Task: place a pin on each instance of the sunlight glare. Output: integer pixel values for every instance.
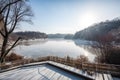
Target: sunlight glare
(87, 19)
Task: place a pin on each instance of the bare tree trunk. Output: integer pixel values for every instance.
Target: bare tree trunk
(3, 51)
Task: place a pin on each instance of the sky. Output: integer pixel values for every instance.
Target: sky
(69, 16)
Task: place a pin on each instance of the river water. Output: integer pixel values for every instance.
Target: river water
(54, 47)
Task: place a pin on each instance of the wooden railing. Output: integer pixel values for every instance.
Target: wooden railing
(106, 68)
(99, 67)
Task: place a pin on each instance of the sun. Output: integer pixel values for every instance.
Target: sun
(87, 19)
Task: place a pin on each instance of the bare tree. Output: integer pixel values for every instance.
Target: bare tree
(104, 47)
(82, 59)
(12, 12)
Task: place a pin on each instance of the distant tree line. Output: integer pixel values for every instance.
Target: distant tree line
(69, 36)
(30, 35)
(58, 35)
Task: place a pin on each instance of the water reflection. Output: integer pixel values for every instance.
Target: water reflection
(89, 46)
(32, 42)
(56, 47)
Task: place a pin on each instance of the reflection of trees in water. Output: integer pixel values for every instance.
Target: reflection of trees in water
(89, 46)
(33, 42)
(26, 43)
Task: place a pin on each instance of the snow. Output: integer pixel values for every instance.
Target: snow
(38, 72)
(49, 70)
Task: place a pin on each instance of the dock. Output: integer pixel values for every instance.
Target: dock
(49, 70)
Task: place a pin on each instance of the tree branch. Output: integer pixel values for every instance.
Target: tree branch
(12, 46)
(6, 20)
(12, 28)
(8, 5)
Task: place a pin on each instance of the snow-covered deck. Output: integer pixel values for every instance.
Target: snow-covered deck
(40, 71)
(49, 71)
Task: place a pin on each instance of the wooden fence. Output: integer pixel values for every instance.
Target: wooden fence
(97, 67)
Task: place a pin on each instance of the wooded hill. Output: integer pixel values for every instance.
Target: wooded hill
(109, 30)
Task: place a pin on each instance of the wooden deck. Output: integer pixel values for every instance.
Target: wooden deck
(43, 71)
(49, 70)
(95, 76)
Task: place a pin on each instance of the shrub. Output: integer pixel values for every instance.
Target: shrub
(110, 55)
(13, 57)
(82, 59)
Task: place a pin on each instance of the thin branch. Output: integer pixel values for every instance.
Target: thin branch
(12, 28)
(9, 22)
(6, 20)
(14, 22)
(8, 5)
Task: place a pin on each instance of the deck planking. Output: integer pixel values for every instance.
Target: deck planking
(38, 72)
(49, 71)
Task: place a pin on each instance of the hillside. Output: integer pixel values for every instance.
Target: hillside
(109, 29)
